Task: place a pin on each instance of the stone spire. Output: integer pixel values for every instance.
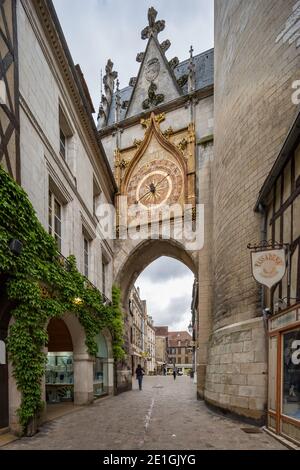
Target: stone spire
(155, 27)
(106, 98)
(192, 72)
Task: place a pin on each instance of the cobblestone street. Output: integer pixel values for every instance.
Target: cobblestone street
(165, 415)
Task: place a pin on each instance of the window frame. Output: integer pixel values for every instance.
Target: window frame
(53, 200)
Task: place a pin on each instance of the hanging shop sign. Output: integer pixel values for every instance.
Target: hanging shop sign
(269, 266)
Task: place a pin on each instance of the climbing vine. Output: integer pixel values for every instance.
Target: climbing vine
(42, 286)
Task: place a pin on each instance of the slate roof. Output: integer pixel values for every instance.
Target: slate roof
(204, 63)
(161, 330)
(175, 336)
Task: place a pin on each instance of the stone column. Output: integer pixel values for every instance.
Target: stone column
(14, 402)
(205, 266)
(83, 379)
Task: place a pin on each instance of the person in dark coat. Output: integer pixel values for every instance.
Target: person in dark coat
(174, 372)
(140, 372)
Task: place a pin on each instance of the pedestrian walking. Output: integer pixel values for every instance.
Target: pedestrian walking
(174, 372)
(140, 372)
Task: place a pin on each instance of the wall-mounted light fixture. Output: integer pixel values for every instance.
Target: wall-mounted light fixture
(15, 247)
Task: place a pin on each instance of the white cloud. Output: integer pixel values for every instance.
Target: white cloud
(100, 29)
(168, 302)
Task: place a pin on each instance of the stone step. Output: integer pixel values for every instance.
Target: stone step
(3, 431)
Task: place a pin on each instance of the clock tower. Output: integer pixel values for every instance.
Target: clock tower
(158, 136)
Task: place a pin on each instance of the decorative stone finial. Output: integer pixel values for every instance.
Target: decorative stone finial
(140, 57)
(155, 27)
(192, 72)
(132, 81)
(106, 98)
(174, 62)
(118, 102)
(165, 45)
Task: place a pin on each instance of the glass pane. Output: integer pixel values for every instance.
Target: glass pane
(57, 226)
(50, 213)
(59, 377)
(58, 241)
(291, 374)
(57, 209)
(100, 377)
(272, 372)
(62, 144)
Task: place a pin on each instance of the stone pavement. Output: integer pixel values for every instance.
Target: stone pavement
(164, 415)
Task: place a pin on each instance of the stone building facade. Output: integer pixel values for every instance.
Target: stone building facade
(61, 165)
(161, 348)
(180, 351)
(150, 346)
(257, 62)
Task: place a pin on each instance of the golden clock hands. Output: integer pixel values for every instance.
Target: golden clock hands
(144, 195)
(153, 187)
(162, 180)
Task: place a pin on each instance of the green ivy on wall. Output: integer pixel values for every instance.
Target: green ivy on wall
(42, 287)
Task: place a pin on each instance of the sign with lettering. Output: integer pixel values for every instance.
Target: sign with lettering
(269, 267)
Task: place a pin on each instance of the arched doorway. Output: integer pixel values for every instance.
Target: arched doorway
(69, 371)
(104, 365)
(6, 307)
(4, 405)
(59, 375)
(132, 259)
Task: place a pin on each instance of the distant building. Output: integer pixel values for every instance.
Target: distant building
(150, 346)
(142, 334)
(180, 351)
(161, 347)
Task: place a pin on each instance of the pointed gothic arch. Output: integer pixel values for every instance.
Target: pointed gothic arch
(143, 254)
(153, 130)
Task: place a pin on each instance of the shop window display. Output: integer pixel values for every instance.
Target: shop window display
(101, 367)
(100, 377)
(291, 374)
(59, 377)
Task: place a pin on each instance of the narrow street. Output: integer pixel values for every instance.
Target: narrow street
(165, 415)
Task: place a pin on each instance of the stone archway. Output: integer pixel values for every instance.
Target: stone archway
(74, 339)
(133, 258)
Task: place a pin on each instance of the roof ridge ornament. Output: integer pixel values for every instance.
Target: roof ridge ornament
(155, 27)
(192, 72)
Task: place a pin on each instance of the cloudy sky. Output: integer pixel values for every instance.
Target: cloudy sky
(97, 30)
(167, 285)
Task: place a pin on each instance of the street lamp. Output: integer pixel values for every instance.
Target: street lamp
(191, 331)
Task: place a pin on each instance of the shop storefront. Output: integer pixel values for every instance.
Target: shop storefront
(284, 374)
(59, 374)
(279, 203)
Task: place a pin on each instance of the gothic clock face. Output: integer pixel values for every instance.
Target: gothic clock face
(156, 183)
